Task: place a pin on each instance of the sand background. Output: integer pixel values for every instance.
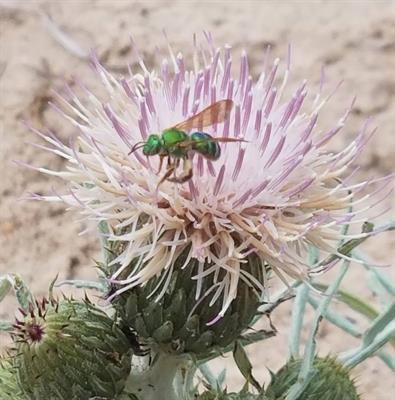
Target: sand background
(355, 40)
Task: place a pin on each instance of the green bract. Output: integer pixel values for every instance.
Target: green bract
(9, 389)
(70, 351)
(331, 381)
(178, 323)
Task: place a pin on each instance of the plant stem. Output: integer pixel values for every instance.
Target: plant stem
(165, 378)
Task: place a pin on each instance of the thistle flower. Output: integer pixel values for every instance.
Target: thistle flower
(273, 195)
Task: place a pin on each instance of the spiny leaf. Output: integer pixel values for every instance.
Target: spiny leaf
(244, 364)
(22, 293)
(5, 286)
(83, 284)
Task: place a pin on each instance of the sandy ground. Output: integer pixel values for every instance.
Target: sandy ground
(355, 40)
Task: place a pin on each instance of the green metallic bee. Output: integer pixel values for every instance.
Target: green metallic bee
(175, 144)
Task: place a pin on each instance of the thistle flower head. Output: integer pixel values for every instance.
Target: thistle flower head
(69, 350)
(273, 194)
(331, 381)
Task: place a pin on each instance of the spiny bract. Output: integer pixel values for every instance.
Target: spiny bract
(9, 389)
(331, 381)
(70, 350)
(178, 323)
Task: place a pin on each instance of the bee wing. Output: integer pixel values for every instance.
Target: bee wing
(227, 140)
(213, 114)
(187, 143)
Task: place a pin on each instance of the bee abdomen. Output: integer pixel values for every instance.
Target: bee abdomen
(205, 145)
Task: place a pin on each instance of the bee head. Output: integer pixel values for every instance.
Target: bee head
(152, 146)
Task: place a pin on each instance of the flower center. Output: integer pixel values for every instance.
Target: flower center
(34, 332)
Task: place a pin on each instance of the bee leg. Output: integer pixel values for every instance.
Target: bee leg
(177, 164)
(161, 163)
(171, 167)
(187, 173)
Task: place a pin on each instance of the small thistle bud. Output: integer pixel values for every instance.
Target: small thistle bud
(179, 322)
(9, 389)
(70, 350)
(331, 381)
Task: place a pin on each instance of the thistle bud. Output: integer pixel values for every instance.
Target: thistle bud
(70, 350)
(331, 381)
(9, 389)
(179, 322)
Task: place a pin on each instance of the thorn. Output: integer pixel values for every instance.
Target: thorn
(22, 311)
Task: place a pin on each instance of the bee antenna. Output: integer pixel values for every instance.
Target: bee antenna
(136, 146)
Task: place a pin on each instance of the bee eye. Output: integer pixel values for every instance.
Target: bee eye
(151, 149)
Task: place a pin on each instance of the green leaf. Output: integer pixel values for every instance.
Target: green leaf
(221, 379)
(211, 379)
(375, 273)
(5, 326)
(356, 304)
(244, 364)
(257, 336)
(83, 284)
(5, 286)
(354, 357)
(307, 370)
(298, 309)
(352, 301)
(22, 293)
(381, 322)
